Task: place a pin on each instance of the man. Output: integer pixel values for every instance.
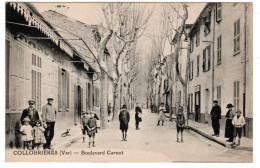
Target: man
(31, 113)
(49, 115)
(215, 117)
(138, 112)
(124, 118)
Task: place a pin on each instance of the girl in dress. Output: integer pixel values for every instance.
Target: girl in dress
(38, 134)
(161, 117)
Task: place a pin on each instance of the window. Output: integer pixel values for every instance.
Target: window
(236, 95)
(198, 65)
(36, 61)
(219, 11)
(36, 89)
(191, 44)
(190, 103)
(219, 45)
(191, 70)
(237, 36)
(206, 59)
(219, 95)
(198, 37)
(207, 21)
(63, 89)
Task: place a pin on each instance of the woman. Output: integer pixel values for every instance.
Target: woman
(124, 119)
(162, 110)
(229, 126)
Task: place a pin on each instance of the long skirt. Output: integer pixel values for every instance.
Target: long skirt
(229, 130)
(161, 116)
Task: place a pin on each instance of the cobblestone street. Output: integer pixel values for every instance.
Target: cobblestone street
(160, 143)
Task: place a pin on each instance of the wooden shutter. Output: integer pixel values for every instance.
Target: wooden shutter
(209, 47)
(204, 60)
(75, 104)
(68, 89)
(81, 100)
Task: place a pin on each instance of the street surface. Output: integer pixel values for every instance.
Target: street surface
(158, 143)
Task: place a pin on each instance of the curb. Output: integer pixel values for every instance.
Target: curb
(227, 145)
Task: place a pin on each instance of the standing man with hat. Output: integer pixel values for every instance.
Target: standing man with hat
(215, 117)
(238, 122)
(229, 126)
(49, 115)
(31, 113)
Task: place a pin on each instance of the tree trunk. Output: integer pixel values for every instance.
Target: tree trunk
(185, 105)
(103, 101)
(116, 102)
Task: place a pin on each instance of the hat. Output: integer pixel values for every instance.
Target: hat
(31, 102)
(49, 98)
(229, 105)
(124, 106)
(26, 119)
(239, 111)
(83, 112)
(215, 101)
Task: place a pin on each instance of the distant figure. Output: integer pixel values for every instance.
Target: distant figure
(138, 116)
(180, 123)
(238, 122)
(215, 117)
(229, 130)
(49, 114)
(98, 122)
(124, 118)
(38, 134)
(26, 131)
(91, 126)
(109, 110)
(162, 110)
(31, 113)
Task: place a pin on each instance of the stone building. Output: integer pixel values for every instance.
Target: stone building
(42, 63)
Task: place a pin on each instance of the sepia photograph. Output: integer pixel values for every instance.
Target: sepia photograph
(129, 82)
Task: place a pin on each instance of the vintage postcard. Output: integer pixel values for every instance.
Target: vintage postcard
(129, 82)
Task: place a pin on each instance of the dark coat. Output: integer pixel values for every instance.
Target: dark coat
(33, 117)
(229, 129)
(124, 118)
(216, 112)
(137, 110)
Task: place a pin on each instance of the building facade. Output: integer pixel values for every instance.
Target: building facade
(38, 66)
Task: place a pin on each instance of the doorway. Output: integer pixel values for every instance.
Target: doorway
(78, 104)
(197, 106)
(206, 105)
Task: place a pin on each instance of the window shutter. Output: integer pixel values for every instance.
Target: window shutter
(75, 104)
(204, 60)
(81, 100)
(59, 88)
(209, 47)
(68, 89)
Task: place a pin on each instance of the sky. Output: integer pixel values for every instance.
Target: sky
(90, 13)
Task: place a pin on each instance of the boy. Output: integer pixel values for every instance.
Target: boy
(91, 126)
(84, 128)
(180, 122)
(238, 122)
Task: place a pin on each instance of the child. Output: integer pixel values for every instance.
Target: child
(180, 122)
(38, 134)
(91, 126)
(26, 131)
(84, 121)
(238, 122)
(162, 110)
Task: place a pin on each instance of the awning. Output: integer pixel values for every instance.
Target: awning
(34, 20)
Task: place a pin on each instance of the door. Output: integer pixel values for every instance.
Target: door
(78, 104)
(197, 106)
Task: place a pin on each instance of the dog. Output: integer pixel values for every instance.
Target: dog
(67, 133)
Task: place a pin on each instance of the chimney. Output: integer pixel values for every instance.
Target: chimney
(62, 9)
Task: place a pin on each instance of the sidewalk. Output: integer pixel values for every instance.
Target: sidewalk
(207, 131)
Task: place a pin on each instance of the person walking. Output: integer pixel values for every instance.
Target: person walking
(49, 114)
(238, 122)
(180, 123)
(31, 113)
(124, 118)
(215, 117)
(229, 130)
(161, 116)
(109, 111)
(138, 117)
(84, 121)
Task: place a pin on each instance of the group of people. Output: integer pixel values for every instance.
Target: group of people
(37, 134)
(234, 123)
